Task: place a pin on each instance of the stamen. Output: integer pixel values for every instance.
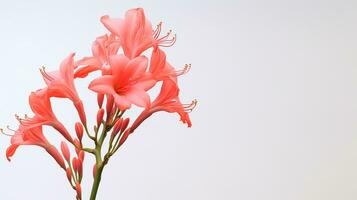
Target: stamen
(185, 70)
(18, 117)
(3, 132)
(45, 74)
(166, 36)
(157, 31)
(168, 42)
(163, 41)
(189, 107)
(8, 127)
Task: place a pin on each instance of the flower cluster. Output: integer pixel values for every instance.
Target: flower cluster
(124, 79)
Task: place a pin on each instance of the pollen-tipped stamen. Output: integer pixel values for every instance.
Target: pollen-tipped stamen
(7, 134)
(157, 31)
(183, 71)
(190, 106)
(45, 74)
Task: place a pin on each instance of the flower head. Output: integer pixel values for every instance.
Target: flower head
(103, 47)
(33, 136)
(61, 84)
(134, 31)
(161, 69)
(128, 83)
(168, 101)
(43, 114)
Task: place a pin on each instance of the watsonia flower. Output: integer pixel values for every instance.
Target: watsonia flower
(61, 84)
(33, 136)
(167, 100)
(128, 83)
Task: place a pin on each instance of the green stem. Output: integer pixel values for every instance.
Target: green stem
(97, 180)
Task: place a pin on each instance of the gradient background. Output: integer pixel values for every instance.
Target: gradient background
(276, 84)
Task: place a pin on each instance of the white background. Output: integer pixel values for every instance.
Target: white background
(277, 90)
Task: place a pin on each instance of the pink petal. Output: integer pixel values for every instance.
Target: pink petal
(122, 102)
(84, 71)
(112, 24)
(138, 97)
(89, 61)
(67, 68)
(103, 85)
(146, 84)
(137, 66)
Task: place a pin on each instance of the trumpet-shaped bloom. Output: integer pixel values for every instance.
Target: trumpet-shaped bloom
(134, 31)
(161, 69)
(103, 47)
(168, 101)
(128, 83)
(61, 84)
(33, 136)
(41, 106)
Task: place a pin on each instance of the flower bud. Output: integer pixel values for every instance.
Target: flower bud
(100, 98)
(75, 165)
(69, 174)
(124, 137)
(117, 127)
(81, 155)
(80, 167)
(110, 103)
(65, 151)
(79, 130)
(124, 125)
(78, 145)
(100, 115)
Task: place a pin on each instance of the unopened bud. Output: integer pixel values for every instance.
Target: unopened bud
(81, 155)
(117, 127)
(80, 167)
(100, 98)
(79, 130)
(124, 137)
(125, 124)
(100, 115)
(78, 145)
(110, 103)
(69, 174)
(65, 151)
(75, 165)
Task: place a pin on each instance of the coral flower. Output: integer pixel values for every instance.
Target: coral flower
(134, 31)
(168, 101)
(103, 47)
(161, 69)
(41, 106)
(61, 84)
(33, 136)
(128, 83)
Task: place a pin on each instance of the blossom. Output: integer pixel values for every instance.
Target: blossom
(168, 101)
(134, 31)
(33, 136)
(43, 114)
(61, 84)
(161, 69)
(103, 47)
(128, 83)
